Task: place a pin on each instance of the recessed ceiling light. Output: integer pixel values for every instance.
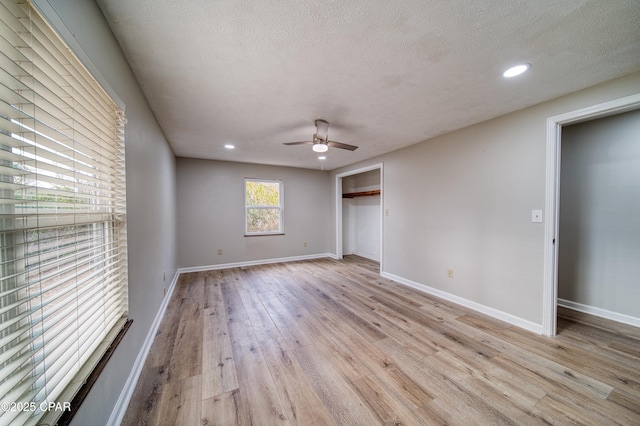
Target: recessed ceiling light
(322, 157)
(229, 146)
(517, 70)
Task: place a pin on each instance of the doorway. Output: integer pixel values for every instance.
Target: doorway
(552, 212)
(359, 218)
(599, 223)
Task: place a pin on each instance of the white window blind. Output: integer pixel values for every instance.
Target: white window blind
(63, 259)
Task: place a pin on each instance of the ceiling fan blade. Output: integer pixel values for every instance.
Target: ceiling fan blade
(299, 143)
(341, 145)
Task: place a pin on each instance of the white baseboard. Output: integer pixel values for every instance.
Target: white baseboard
(360, 254)
(367, 256)
(120, 408)
(254, 262)
(599, 312)
(503, 316)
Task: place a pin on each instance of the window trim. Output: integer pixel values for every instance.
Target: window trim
(280, 183)
(57, 23)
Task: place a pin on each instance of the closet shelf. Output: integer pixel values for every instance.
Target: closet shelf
(361, 194)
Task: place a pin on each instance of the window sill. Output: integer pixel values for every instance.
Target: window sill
(79, 397)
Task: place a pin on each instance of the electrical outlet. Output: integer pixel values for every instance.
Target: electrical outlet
(164, 292)
(219, 252)
(164, 276)
(536, 216)
(449, 273)
(305, 243)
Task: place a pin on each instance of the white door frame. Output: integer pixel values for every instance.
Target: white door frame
(339, 177)
(552, 194)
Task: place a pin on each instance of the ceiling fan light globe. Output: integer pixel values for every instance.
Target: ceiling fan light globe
(320, 147)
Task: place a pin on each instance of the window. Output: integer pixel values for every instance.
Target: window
(63, 258)
(263, 204)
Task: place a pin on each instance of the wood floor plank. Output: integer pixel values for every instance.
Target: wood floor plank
(388, 407)
(617, 329)
(186, 358)
(552, 377)
(144, 406)
(181, 402)
(450, 334)
(221, 410)
(239, 325)
(302, 405)
(620, 350)
(195, 290)
(345, 360)
(556, 411)
(522, 393)
(259, 316)
(314, 318)
(418, 342)
(332, 303)
(398, 383)
(262, 405)
(453, 402)
(164, 342)
(459, 405)
(345, 338)
(326, 342)
(286, 322)
(333, 389)
(218, 366)
(510, 399)
(212, 292)
(564, 387)
(578, 359)
(625, 400)
(459, 366)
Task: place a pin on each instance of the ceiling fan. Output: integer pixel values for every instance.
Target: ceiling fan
(321, 142)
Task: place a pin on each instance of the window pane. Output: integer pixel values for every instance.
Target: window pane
(263, 220)
(262, 193)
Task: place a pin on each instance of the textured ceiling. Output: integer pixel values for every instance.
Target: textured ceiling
(385, 74)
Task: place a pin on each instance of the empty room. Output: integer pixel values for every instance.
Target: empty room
(319, 212)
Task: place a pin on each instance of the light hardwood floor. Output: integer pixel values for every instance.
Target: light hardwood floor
(328, 342)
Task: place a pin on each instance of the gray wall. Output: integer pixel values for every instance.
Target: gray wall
(150, 202)
(463, 201)
(599, 256)
(210, 213)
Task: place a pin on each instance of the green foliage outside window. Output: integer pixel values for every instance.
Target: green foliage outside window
(262, 194)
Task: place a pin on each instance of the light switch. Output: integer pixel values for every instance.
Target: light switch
(536, 216)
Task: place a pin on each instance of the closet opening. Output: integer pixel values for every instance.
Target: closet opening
(359, 213)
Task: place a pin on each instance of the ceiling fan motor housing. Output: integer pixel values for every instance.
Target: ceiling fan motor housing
(322, 130)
